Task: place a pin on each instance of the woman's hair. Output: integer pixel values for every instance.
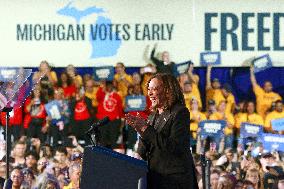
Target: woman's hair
(69, 80)
(41, 97)
(246, 105)
(171, 88)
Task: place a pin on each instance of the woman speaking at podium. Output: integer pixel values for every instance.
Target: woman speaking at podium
(164, 140)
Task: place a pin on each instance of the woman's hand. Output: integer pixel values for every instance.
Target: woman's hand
(136, 122)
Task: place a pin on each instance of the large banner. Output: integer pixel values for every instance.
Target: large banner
(90, 33)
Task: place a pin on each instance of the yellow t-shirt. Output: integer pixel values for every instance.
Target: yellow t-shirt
(230, 100)
(121, 84)
(271, 116)
(264, 100)
(69, 186)
(195, 90)
(195, 118)
(92, 96)
(249, 118)
(188, 97)
(146, 78)
(79, 79)
(210, 93)
(227, 117)
(239, 119)
(53, 76)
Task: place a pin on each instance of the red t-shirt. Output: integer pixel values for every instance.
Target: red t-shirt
(81, 111)
(16, 117)
(38, 113)
(27, 116)
(109, 104)
(69, 91)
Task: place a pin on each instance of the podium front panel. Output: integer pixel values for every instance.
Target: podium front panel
(106, 169)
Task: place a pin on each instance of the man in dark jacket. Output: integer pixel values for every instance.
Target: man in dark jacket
(164, 65)
(165, 140)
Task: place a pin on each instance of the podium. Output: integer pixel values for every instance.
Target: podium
(106, 169)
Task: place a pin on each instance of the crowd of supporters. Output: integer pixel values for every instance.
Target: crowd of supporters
(47, 153)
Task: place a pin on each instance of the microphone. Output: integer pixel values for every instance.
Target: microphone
(101, 122)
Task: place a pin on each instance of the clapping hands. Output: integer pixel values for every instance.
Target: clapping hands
(136, 122)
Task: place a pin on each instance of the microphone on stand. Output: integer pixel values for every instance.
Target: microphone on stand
(101, 122)
(94, 132)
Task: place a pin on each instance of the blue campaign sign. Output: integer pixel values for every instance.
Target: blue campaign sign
(213, 58)
(250, 130)
(135, 103)
(273, 142)
(53, 110)
(104, 73)
(8, 74)
(262, 63)
(278, 124)
(212, 128)
(181, 68)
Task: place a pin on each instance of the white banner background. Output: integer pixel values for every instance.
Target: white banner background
(187, 39)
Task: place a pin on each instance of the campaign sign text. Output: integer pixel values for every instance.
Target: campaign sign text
(273, 142)
(278, 124)
(262, 63)
(135, 103)
(212, 128)
(250, 130)
(104, 73)
(207, 58)
(8, 74)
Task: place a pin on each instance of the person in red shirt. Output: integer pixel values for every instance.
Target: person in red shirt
(37, 126)
(65, 82)
(81, 115)
(15, 122)
(109, 104)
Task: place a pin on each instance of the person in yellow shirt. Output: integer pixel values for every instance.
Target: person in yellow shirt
(44, 70)
(75, 171)
(76, 78)
(276, 114)
(147, 72)
(264, 96)
(249, 116)
(195, 117)
(189, 95)
(221, 114)
(225, 94)
(211, 87)
(239, 113)
(91, 88)
(194, 78)
(122, 79)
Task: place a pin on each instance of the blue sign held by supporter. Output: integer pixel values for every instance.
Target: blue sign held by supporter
(135, 103)
(207, 58)
(8, 74)
(53, 110)
(212, 128)
(278, 124)
(104, 73)
(273, 142)
(250, 130)
(262, 63)
(181, 68)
